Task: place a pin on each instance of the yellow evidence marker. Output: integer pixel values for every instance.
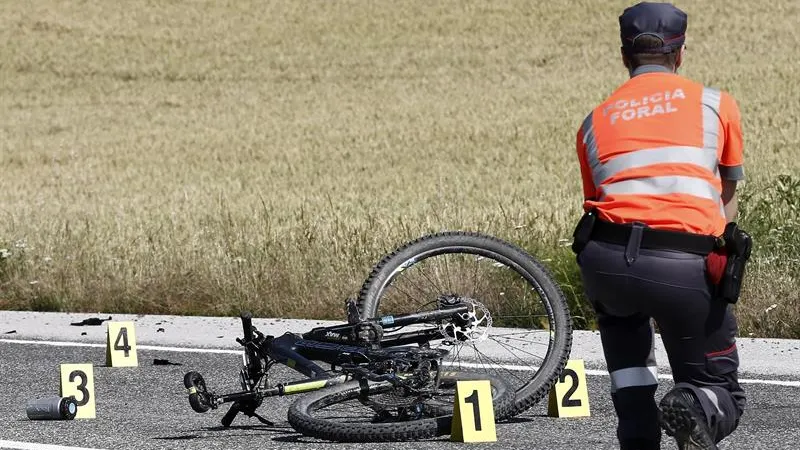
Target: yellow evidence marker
(121, 345)
(473, 412)
(569, 397)
(78, 380)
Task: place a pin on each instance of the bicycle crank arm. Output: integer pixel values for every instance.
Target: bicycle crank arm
(237, 396)
(246, 396)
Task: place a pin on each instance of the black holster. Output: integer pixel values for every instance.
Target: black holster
(738, 245)
(583, 231)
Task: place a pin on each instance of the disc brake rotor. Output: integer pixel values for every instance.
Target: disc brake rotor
(475, 327)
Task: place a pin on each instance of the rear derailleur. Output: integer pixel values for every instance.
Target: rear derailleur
(404, 401)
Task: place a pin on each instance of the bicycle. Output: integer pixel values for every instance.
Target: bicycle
(404, 380)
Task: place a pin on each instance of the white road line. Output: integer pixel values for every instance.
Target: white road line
(36, 446)
(604, 373)
(593, 372)
(664, 376)
(140, 347)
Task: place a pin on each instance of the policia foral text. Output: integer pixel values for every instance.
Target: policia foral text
(659, 160)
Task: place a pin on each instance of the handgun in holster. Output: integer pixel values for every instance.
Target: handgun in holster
(583, 231)
(738, 245)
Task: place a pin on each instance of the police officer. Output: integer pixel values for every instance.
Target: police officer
(660, 159)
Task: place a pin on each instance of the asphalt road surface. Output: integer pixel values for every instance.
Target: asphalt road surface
(146, 407)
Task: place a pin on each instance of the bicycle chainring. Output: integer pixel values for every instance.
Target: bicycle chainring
(415, 355)
(412, 370)
(398, 397)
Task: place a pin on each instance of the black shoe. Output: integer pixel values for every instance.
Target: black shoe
(682, 417)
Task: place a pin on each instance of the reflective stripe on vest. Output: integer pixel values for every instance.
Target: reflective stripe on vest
(591, 148)
(670, 184)
(711, 105)
(705, 157)
(711, 100)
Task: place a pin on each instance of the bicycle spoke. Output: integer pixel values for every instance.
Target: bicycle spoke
(404, 292)
(495, 337)
(447, 275)
(526, 332)
(501, 366)
(506, 346)
(410, 297)
(430, 281)
(475, 279)
(520, 316)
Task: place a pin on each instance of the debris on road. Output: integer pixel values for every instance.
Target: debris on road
(10, 332)
(165, 362)
(92, 321)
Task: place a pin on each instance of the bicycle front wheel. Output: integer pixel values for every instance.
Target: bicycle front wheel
(521, 329)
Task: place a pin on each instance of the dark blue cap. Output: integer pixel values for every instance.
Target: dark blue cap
(662, 20)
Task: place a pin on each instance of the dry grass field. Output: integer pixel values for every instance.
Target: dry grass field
(199, 157)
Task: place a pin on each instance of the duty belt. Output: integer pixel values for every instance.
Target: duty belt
(613, 233)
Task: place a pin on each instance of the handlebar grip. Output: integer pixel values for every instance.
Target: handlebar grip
(227, 419)
(247, 325)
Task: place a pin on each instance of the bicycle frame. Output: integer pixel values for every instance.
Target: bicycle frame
(330, 344)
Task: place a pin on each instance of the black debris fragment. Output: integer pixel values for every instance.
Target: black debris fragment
(10, 332)
(90, 321)
(165, 362)
(160, 330)
(83, 333)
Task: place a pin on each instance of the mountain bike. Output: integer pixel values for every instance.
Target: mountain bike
(445, 307)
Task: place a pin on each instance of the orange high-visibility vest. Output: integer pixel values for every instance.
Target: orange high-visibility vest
(656, 150)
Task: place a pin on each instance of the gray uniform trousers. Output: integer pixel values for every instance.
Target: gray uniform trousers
(629, 292)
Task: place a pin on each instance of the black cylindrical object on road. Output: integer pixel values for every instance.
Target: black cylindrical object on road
(52, 408)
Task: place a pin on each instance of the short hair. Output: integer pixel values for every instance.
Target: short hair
(639, 55)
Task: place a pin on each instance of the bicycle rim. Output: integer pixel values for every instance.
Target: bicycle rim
(529, 338)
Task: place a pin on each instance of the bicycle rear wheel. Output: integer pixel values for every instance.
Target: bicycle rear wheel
(337, 413)
(522, 329)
